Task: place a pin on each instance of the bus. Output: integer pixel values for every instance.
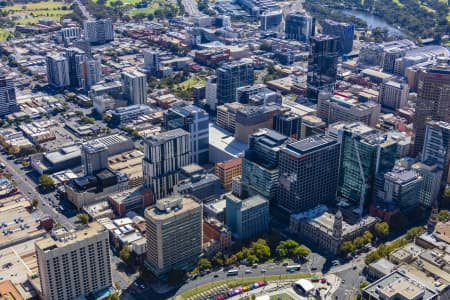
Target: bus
(293, 268)
(232, 272)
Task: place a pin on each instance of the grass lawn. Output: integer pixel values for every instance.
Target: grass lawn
(4, 34)
(398, 3)
(46, 5)
(147, 10)
(34, 20)
(186, 85)
(241, 281)
(281, 297)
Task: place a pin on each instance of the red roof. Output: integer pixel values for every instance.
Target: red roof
(230, 163)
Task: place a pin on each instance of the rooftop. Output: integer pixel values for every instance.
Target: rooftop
(311, 144)
(164, 137)
(170, 207)
(64, 238)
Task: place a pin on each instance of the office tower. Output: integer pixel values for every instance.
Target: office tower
(164, 155)
(174, 234)
(433, 100)
(8, 103)
(74, 263)
(247, 218)
(344, 31)
(195, 121)
(393, 51)
(58, 71)
(226, 170)
(288, 124)
(322, 65)
(401, 188)
(230, 76)
(365, 150)
(226, 115)
(251, 118)
(371, 54)
(98, 31)
(299, 26)
(431, 175)
(393, 95)
(309, 171)
(94, 157)
(260, 164)
(337, 108)
(271, 19)
(151, 60)
(91, 72)
(436, 146)
(211, 92)
(75, 57)
(244, 93)
(134, 85)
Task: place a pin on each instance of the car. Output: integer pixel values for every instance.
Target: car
(313, 269)
(142, 286)
(285, 264)
(263, 271)
(216, 275)
(248, 271)
(343, 281)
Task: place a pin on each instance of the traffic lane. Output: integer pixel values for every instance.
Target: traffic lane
(350, 281)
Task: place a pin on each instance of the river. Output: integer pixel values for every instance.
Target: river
(373, 21)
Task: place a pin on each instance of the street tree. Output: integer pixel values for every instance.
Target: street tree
(382, 230)
(125, 253)
(83, 218)
(46, 181)
(34, 202)
(203, 264)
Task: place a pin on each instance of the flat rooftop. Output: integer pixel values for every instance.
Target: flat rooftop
(159, 215)
(311, 144)
(50, 243)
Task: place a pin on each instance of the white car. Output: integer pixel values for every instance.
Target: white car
(248, 271)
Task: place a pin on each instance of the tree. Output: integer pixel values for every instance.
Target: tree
(34, 202)
(25, 163)
(347, 247)
(363, 284)
(359, 242)
(413, 232)
(252, 259)
(371, 257)
(125, 253)
(367, 236)
(382, 230)
(301, 251)
(46, 181)
(217, 260)
(83, 218)
(443, 215)
(113, 296)
(203, 264)
(261, 250)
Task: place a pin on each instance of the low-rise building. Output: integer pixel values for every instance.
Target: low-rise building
(216, 235)
(378, 269)
(327, 230)
(132, 199)
(226, 170)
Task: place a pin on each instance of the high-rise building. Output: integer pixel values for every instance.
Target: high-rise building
(247, 218)
(288, 124)
(91, 72)
(194, 120)
(134, 84)
(151, 60)
(401, 188)
(94, 157)
(337, 108)
(98, 31)
(433, 100)
(431, 174)
(75, 57)
(393, 95)
(344, 31)
(8, 102)
(164, 155)
(299, 26)
(322, 65)
(74, 263)
(230, 76)
(309, 171)
(211, 92)
(174, 234)
(365, 150)
(260, 165)
(58, 71)
(436, 146)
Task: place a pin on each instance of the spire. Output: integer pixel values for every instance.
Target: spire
(432, 221)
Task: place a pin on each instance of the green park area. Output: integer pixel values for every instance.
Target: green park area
(31, 13)
(281, 297)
